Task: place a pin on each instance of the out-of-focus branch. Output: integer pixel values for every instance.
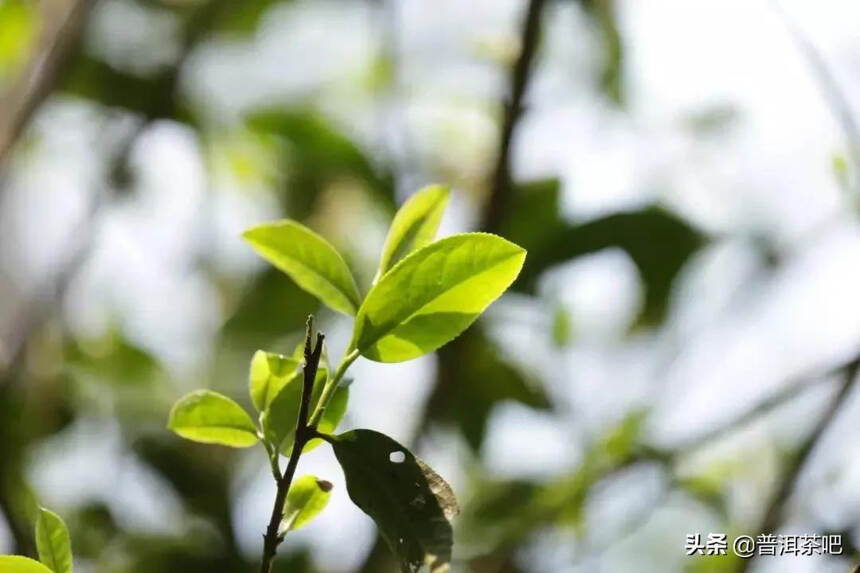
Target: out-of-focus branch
(58, 45)
(776, 508)
(45, 301)
(521, 73)
(669, 458)
(496, 205)
(831, 90)
(13, 363)
(788, 392)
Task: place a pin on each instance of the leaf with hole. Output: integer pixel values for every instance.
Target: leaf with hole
(414, 225)
(434, 294)
(307, 498)
(269, 373)
(53, 542)
(410, 503)
(17, 564)
(211, 418)
(308, 259)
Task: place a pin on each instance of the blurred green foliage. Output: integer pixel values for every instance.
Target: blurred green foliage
(315, 154)
(114, 377)
(657, 241)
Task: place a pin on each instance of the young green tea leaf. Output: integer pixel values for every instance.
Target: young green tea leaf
(210, 418)
(53, 542)
(17, 564)
(434, 294)
(311, 261)
(414, 225)
(307, 498)
(279, 419)
(269, 373)
(410, 503)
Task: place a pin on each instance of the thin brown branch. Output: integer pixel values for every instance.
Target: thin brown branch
(304, 433)
(37, 81)
(520, 78)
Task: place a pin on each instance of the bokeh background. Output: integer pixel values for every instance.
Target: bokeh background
(678, 356)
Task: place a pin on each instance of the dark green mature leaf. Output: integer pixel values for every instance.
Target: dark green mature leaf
(533, 219)
(95, 527)
(318, 153)
(434, 294)
(53, 542)
(269, 373)
(101, 83)
(17, 564)
(658, 241)
(414, 225)
(473, 378)
(211, 418)
(306, 499)
(308, 259)
(410, 503)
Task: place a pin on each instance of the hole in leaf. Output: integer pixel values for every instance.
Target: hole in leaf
(397, 457)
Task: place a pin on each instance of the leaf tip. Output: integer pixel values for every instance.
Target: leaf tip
(441, 190)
